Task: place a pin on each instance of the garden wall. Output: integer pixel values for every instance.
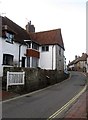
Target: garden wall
(34, 79)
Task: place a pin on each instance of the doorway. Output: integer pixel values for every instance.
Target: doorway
(23, 61)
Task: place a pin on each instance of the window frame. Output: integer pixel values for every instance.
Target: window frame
(8, 59)
(60, 51)
(45, 48)
(35, 46)
(9, 37)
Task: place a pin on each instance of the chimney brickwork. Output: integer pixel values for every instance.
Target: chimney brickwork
(30, 27)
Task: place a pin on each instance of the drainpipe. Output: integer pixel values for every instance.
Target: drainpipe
(27, 56)
(56, 57)
(26, 41)
(19, 53)
(52, 56)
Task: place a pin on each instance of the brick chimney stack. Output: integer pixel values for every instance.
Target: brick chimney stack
(30, 27)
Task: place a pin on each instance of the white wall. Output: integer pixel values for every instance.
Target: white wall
(46, 59)
(51, 59)
(1, 56)
(82, 64)
(23, 52)
(12, 49)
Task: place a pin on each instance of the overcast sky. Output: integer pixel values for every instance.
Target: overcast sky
(69, 15)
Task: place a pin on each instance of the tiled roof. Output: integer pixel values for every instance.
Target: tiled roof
(71, 63)
(50, 37)
(20, 33)
(82, 58)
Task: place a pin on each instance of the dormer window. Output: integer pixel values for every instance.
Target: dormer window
(9, 37)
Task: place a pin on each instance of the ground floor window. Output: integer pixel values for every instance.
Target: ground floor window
(35, 62)
(28, 61)
(32, 62)
(7, 59)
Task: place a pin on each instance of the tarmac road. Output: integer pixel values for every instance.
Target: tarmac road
(46, 102)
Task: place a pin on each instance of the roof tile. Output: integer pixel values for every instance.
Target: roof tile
(48, 37)
(20, 33)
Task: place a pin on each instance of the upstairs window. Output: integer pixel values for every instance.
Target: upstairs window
(7, 59)
(9, 37)
(35, 46)
(60, 51)
(45, 48)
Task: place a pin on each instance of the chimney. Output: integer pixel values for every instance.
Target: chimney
(82, 54)
(29, 27)
(30, 22)
(75, 57)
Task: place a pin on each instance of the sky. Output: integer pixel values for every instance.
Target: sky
(69, 15)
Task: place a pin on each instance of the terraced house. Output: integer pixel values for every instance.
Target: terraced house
(26, 48)
(79, 64)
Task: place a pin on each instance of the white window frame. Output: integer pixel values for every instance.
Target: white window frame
(45, 48)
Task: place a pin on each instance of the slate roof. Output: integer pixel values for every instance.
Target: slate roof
(20, 33)
(50, 37)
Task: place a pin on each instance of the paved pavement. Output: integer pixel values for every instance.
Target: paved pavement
(4, 95)
(0, 83)
(80, 108)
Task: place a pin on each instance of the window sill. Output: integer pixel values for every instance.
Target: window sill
(7, 65)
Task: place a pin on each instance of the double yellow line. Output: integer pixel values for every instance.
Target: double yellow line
(67, 104)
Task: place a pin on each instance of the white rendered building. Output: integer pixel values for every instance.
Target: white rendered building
(23, 48)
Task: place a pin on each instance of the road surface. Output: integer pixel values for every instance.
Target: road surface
(45, 103)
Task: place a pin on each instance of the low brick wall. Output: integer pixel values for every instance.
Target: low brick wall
(34, 79)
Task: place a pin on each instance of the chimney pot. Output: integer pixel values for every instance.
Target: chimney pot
(30, 22)
(75, 57)
(82, 54)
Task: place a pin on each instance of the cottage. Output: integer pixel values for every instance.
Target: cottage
(79, 64)
(51, 49)
(71, 65)
(26, 48)
(12, 47)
